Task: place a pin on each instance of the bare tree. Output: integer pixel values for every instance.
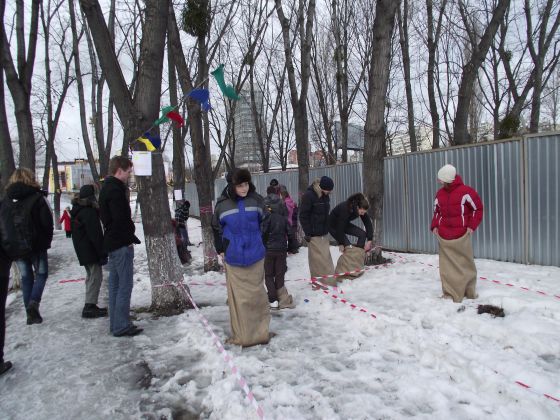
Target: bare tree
(375, 128)
(304, 17)
(19, 80)
(472, 66)
(402, 18)
(551, 99)
(7, 162)
(52, 99)
(136, 113)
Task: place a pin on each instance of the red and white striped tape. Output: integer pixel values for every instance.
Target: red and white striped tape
(72, 280)
(351, 305)
(217, 342)
(526, 289)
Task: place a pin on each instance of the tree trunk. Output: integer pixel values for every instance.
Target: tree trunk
(178, 139)
(19, 82)
(137, 115)
(375, 129)
(7, 163)
(433, 40)
(403, 39)
(202, 165)
(299, 101)
(470, 72)
(81, 95)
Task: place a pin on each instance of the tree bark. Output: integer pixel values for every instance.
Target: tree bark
(19, 81)
(375, 128)
(470, 71)
(7, 162)
(404, 41)
(299, 100)
(137, 115)
(202, 165)
(178, 139)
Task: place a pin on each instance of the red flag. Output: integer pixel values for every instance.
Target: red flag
(176, 117)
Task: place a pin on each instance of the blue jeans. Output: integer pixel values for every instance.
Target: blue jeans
(34, 273)
(184, 235)
(120, 288)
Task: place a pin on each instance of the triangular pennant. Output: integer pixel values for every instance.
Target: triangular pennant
(227, 90)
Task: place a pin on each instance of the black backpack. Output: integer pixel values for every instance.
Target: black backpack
(16, 226)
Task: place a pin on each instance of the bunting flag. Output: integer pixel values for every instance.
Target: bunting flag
(202, 96)
(164, 111)
(154, 139)
(149, 146)
(176, 118)
(227, 90)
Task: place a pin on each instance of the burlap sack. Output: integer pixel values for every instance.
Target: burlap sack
(456, 268)
(350, 260)
(319, 256)
(248, 304)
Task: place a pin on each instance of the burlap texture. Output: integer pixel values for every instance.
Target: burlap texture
(456, 268)
(319, 256)
(350, 260)
(248, 304)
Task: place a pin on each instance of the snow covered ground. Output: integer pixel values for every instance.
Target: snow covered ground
(421, 356)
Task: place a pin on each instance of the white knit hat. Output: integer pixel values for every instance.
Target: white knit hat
(447, 173)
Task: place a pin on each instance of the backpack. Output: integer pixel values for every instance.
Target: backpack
(16, 226)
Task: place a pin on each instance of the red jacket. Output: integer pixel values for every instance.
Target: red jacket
(456, 208)
(66, 220)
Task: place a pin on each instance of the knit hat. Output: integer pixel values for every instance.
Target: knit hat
(274, 182)
(87, 191)
(326, 183)
(240, 176)
(447, 174)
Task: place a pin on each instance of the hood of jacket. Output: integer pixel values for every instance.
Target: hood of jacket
(457, 182)
(274, 202)
(79, 203)
(19, 190)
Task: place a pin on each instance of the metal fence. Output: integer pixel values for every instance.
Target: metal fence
(517, 179)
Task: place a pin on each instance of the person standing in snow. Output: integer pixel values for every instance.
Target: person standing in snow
(181, 217)
(5, 264)
(277, 234)
(26, 205)
(236, 223)
(66, 222)
(88, 244)
(313, 216)
(340, 225)
(119, 243)
(457, 214)
(291, 206)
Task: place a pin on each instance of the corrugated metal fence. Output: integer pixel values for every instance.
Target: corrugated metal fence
(517, 179)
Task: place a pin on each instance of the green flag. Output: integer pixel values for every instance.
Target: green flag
(228, 91)
(163, 118)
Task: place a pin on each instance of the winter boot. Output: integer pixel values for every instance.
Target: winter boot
(4, 367)
(92, 311)
(285, 300)
(274, 305)
(33, 315)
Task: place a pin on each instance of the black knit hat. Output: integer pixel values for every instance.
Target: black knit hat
(326, 183)
(87, 191)
(240, 176)
(274, 182)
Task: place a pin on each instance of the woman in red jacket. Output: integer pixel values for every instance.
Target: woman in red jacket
(457, 214)
(65, 219)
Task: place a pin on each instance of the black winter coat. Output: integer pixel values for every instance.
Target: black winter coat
(314, 211)
(341, 216)
(182, 213)
(87, 234)
(275, 227)
(41, 214)
(115, 214)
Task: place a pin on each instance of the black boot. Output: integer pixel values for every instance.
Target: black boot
(5, 366)
(92, 311)
(33, 315)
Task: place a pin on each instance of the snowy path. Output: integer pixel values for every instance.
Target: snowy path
(419, 358)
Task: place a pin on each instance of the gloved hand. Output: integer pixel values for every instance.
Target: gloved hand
(103, 261)
(307, 238)
(136, 241)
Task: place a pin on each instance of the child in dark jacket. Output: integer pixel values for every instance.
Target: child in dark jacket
(277, 233)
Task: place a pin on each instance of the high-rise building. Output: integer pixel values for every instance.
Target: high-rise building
(247, 150)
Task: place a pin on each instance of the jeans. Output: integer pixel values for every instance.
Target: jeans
(184, 235)
(34, 273)
(120, 288)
